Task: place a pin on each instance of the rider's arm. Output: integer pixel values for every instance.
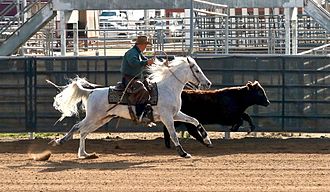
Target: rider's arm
(133, 59)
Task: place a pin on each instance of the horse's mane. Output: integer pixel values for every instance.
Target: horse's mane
(160, 71)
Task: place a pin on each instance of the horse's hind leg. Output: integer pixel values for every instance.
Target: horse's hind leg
(167, 138)
(186, 118)
(194, 132)
(89, 127)
(66, 137)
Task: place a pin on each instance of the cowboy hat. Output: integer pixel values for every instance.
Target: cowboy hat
(142, 40)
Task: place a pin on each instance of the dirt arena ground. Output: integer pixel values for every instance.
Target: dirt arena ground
(131, 162)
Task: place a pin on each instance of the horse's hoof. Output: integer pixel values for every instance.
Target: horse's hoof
(210, 145)
(181, 152)
(187, 156)
(54, 143)
(89, 156)
(168, 145)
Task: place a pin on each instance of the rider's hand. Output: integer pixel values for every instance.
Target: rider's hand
(150, 61)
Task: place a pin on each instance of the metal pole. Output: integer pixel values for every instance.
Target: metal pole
(294, 30)
(227, 135)
(63, 32)
(25, 15)
(191, 43)
(283, 94)
(287, 16)
(23, 19)
(75, 39)
(227, 33)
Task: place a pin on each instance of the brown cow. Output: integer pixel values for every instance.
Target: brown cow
(222, 106)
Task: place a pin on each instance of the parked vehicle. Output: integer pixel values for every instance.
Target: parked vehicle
(114, 23)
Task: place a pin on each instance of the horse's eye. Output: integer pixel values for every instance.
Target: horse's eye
(197, 71)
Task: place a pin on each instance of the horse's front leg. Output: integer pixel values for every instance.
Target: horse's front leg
(169, 124)
(187, 119)
(192, 130)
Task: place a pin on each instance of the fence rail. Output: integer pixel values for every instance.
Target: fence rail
(297, 86)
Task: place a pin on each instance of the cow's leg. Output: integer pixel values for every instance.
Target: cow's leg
(187, 119)
(247, 118)
(167, 138)
(237, 125)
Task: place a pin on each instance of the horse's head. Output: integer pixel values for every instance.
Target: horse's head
(196, 75)
(184, 69)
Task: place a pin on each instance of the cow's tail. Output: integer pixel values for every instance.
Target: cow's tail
(67, 100)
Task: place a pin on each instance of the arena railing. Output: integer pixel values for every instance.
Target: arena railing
(297, 87)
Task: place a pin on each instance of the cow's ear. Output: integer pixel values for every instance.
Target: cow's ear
(249, 85)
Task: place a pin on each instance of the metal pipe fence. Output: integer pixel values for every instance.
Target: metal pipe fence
(297, 86)
(212, 34)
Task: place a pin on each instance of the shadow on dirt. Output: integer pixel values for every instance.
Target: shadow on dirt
(137, 147)
(67, 165)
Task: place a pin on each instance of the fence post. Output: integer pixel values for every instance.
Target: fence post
(30, 95)
(283, 94)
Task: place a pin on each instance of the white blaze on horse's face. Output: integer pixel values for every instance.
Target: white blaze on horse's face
(198, 77)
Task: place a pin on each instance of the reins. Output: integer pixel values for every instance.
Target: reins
(166, 64)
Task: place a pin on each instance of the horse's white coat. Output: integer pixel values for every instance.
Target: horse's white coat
(170, 82)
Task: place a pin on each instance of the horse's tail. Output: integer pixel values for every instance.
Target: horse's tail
(66, 101)
(58, 87)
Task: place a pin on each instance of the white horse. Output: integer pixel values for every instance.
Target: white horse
(170, 79)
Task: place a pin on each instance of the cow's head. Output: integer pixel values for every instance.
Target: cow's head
(258, 93)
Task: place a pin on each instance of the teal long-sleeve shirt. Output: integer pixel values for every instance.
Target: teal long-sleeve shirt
(133, 62)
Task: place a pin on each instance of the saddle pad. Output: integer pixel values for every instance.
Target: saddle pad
(115, 95)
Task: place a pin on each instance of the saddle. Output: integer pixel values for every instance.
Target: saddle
(133, 95)
(115, 95)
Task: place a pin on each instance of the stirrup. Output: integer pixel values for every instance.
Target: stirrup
(143, 119)
(146, 120)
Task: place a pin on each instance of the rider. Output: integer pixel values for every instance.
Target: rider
(132, 67)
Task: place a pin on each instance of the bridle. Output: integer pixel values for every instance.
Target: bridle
(189, 84)
(191, 66)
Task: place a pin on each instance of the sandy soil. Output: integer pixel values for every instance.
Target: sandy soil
(140, 162)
